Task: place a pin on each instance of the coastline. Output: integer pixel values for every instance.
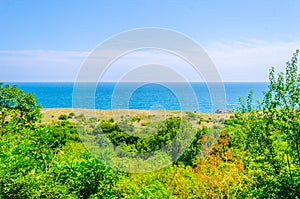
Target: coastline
(196, 118)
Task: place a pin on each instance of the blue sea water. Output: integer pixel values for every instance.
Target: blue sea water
(140, 96)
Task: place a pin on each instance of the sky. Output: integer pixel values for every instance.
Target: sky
(50, 40)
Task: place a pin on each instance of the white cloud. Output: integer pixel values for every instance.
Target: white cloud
(39, 65)
(41, 55)
(151, 65)
(250, 60)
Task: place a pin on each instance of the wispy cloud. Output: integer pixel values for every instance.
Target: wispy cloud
(247, 60)
(40, 65)
(250, 60)
(41, 55)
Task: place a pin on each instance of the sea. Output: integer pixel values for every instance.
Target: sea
(195, 96)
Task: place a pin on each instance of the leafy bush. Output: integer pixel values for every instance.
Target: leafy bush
(63, 117)
(271, 136)
(38, 161)
(71, 115)
(17, 109)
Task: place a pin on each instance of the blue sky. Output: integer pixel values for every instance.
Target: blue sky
(49, 40)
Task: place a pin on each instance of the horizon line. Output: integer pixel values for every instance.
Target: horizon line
(134, 82)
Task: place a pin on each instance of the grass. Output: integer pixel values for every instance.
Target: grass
(145, 116)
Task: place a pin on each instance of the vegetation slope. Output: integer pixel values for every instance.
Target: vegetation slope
(253, 153)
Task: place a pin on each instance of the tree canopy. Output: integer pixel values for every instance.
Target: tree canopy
(17, 109)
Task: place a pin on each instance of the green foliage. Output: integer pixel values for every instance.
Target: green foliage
(38, 161)
(107, 126)
(164, 137)
(24, 156)
(256, 156)
(125, 126)
(34, 164)
(270, 136)
(136, 119)
(80, 118)
(85, 177)
(210, 178)
(64, 131)
(189, 157)
(190, 115)
(71, 115)
(63, 117)
(17, 109)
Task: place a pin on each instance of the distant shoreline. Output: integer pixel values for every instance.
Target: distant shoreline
(52, 114)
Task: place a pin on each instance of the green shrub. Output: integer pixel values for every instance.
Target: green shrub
(18, 109)
(71, 115)
(271, 136)
(63, 117)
